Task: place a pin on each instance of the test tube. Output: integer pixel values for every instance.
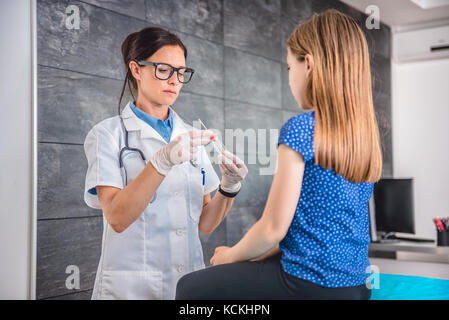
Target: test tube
(219, 147)
(217, 143)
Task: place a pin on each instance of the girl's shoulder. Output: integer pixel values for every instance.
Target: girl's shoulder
(304, 119)
(302, 123)
(297, 133)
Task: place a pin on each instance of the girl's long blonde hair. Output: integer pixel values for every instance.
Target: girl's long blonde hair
(339, 91)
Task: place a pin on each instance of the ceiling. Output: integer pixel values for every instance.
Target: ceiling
(403, 13)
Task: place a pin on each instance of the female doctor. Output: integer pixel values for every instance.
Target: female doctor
(150, 174)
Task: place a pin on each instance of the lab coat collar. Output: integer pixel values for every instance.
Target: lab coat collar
(133, 123)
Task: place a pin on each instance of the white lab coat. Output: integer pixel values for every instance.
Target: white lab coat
(147, 259)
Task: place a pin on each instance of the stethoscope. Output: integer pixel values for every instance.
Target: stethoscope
(126, 148)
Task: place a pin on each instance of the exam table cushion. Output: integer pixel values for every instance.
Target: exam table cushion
(401, 287)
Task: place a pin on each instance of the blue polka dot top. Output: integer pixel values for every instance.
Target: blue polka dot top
(327, 241)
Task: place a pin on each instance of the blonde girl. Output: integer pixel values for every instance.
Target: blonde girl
(312, 239)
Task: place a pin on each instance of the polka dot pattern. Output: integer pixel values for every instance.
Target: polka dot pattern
(327, 242)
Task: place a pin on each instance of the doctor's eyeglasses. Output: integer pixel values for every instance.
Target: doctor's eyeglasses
(164, 71)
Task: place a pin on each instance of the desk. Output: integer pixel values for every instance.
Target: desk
(410, 251)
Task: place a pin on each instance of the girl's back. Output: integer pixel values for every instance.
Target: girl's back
(327, 242)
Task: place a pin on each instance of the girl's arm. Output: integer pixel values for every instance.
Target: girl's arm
(268, 254)
(278, 214)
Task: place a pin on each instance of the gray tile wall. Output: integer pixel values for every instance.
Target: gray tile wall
(238, 50)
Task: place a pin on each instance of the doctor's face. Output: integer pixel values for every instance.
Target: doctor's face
(154, 90)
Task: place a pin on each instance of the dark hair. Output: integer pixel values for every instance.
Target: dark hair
(141, 45)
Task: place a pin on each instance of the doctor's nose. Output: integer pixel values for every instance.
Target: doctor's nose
(174, 79)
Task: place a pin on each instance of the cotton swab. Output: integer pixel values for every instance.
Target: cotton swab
(219, 147)
(217, 144)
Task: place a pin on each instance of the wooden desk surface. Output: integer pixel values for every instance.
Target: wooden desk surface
(410, 251)
(410, 247)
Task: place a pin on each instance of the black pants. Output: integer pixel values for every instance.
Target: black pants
(258, 280)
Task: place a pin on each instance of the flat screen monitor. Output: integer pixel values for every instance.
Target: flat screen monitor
(393, 205)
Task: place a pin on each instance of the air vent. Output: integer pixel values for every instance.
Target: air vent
(438, 48)
(423, 44)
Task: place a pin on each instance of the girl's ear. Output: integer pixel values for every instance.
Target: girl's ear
(309, 64)
(135, 69)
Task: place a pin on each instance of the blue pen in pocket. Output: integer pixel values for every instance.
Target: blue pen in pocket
(203, 172)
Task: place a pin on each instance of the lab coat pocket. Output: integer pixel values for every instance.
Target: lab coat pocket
(131, 285)
(196, 192)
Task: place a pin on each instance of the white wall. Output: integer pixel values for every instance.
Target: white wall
(15, 149)
(420, 122)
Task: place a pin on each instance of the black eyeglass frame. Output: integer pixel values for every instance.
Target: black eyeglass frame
(173, 69)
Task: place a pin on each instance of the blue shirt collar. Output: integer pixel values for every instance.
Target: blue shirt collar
(152, 121)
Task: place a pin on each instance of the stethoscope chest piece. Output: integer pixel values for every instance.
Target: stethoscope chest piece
(194, 163)
(154, 197)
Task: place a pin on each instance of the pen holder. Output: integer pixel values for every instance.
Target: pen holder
(443, 238)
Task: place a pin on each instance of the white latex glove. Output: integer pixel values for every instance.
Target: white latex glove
(182, 148)
(233, 171)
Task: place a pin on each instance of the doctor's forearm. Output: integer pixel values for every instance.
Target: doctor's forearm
(214, 212)
(129, 203)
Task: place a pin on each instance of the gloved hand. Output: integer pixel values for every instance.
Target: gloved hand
(182, 148)
(233, 171)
